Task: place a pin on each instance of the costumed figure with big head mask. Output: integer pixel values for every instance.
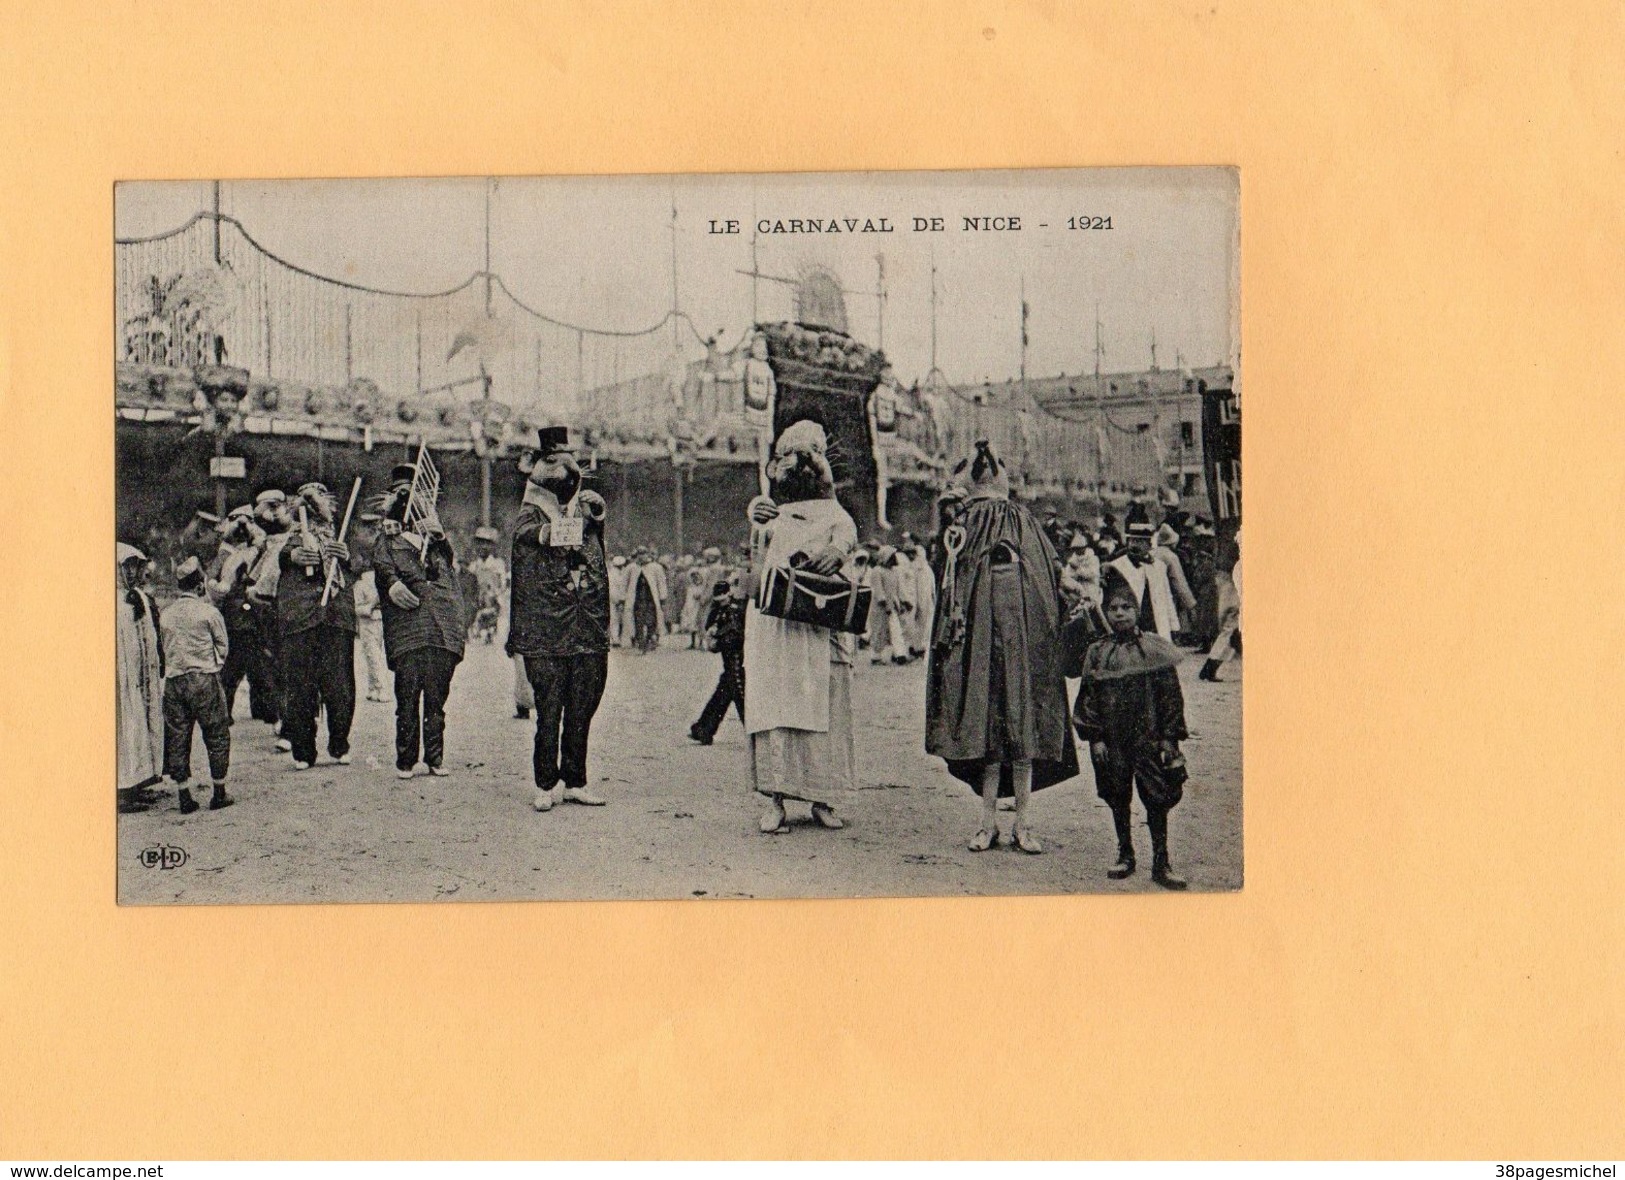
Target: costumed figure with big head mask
(240, 539)
(271, 514)
(559, 615)
(318, 628)
(424, 623)
(798, 714)
(995, 706)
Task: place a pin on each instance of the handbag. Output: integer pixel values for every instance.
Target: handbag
(816, 599)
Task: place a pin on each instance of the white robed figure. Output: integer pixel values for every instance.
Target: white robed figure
(798, 677)
(925, 601)
(140, 678)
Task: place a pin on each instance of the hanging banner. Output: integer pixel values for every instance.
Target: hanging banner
(1221, 454)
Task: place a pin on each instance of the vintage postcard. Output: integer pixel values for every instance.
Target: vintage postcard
(816, 535)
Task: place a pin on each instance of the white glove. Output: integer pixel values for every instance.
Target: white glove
(401, 595)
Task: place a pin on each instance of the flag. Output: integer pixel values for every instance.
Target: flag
(462, 340)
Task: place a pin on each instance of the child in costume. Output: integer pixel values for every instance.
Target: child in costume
(725, 632)
(195, 647)
(1131, 711)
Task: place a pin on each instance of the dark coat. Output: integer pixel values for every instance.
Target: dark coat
(299, 592)
(438, 620)
(558, 597)
(727, 618)
(1130, 692)
(1006, 698)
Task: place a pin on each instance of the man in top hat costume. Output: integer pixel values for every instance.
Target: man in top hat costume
(318, 640)
(1146, 576)
(995, 704)
(559, 615)
(424, 624)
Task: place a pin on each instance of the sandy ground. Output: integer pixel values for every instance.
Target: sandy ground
(681, 820)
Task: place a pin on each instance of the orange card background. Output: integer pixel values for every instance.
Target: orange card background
(1427, 958)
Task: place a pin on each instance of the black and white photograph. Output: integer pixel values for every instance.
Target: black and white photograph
(810, 535)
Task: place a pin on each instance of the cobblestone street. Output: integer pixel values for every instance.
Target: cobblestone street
(681, 820)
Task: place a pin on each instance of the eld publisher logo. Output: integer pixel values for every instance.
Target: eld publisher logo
(163, 856)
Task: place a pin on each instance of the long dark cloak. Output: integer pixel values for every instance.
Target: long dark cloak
(645, 616)
(959, 721)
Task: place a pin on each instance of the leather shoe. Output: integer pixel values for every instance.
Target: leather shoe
(543, 800)
(1164, 876)
(582, 796)
(827, 817)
